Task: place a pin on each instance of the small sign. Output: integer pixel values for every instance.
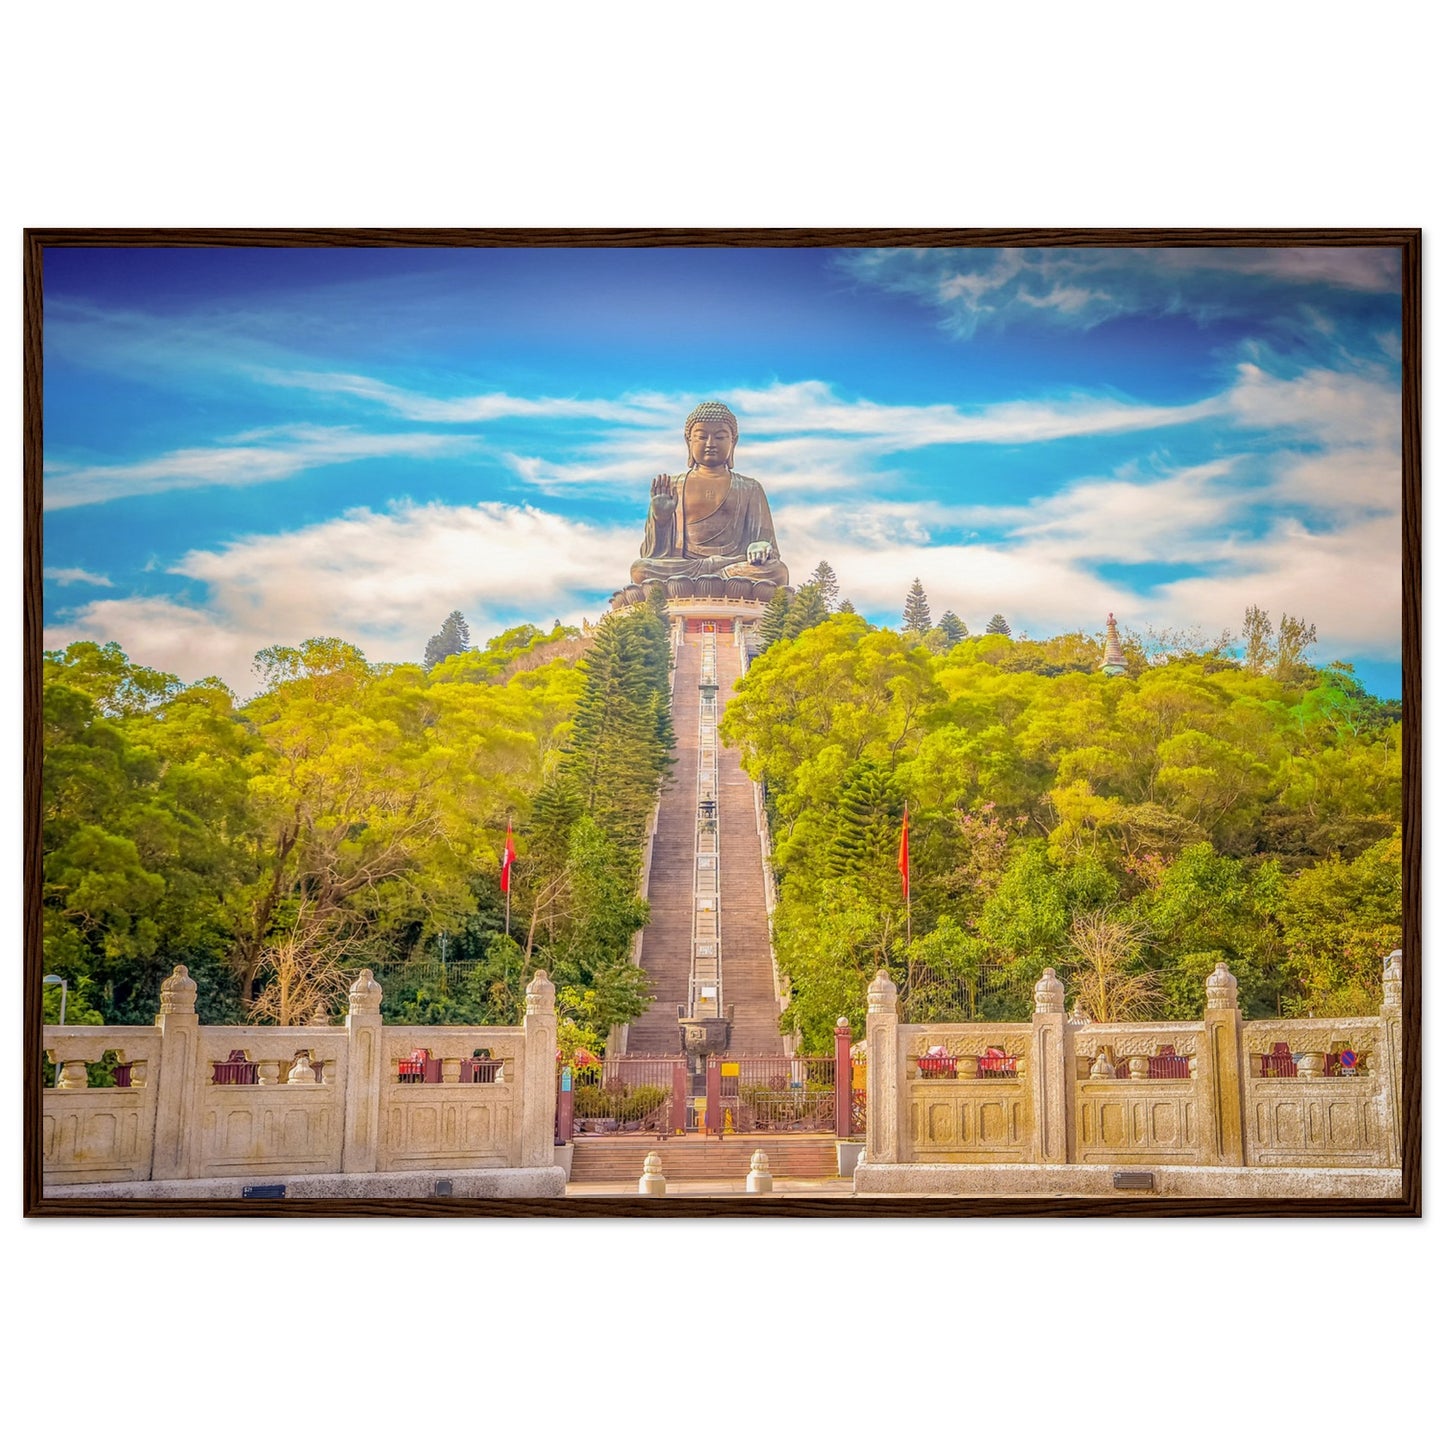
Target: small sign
(1347, 1060)
(566, 1081)
(731, 1071)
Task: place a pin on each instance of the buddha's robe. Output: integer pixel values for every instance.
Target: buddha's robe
(684, 543)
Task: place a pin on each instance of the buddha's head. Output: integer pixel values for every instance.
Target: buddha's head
(712, 435)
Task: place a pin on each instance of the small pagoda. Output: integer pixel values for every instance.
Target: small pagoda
(1113, 664)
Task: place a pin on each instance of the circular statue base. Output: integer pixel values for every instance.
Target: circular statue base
(698, 591)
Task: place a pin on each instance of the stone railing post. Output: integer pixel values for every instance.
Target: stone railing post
(1220, 1072)
(539, 1073)
(843, 1079)
(1392, 1025)
(361, 1129)
(175, 1080)
(886, 1097)
(1047, 1075)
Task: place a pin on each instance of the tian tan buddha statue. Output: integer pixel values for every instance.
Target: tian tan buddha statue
(710, 526)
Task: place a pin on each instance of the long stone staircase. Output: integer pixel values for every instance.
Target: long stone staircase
(746, 958)
(667, 939)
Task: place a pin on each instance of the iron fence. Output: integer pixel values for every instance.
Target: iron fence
(775, 1095)
(928, 996)
(632, 1094)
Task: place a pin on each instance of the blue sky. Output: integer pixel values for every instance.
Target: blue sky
(254, 446)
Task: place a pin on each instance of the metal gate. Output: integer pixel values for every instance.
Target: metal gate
(661, 1095)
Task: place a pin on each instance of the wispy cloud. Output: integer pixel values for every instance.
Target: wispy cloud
(266, 455)
(798, 435)
(1081, 287)
(69, 576)
(486, 406)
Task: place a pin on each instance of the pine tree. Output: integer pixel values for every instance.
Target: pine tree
(865, 823)
(454, 637)
(916, 617)
(806, 610)
(827, 580)
(622, 736)
(998, 623)
(774, 622)
(657, 603)
(953, 628)
(846, 605)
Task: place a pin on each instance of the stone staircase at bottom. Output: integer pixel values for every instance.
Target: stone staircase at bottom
(612, 1160)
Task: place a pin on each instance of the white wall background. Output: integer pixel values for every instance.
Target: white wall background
(297, 114)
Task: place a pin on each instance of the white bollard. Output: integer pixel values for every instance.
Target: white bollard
(652, 1181)
(759, 1180)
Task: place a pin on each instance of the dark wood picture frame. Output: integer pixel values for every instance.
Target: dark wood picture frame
(39, 241)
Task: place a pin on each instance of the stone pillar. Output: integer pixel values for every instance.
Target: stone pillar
(177, 1077)
(539, 1072)
(886, 1095)
(361, 1136)
(677, 1120)
(1048, 1083)
(712, 1119)
(1219, 1079)
(1390, 1064)
(843, 1079)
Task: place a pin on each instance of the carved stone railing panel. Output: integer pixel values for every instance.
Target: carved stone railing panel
(978, 1123)
(1327, 1123)
(1136, 1122)
(95, 1136)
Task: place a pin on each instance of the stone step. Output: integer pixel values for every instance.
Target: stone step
(609, 1160)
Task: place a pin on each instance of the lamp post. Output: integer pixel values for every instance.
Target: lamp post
(64, 991)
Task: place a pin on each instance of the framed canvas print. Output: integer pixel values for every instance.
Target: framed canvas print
(782, 722)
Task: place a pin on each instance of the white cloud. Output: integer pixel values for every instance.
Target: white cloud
(66, 576)
(1040, 565)
(381, 580)
(268, 455)
(1334, 407)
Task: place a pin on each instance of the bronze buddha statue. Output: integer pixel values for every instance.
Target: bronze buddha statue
(709, 522)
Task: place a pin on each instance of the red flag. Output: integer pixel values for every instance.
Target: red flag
(903, 852)
(509, 856)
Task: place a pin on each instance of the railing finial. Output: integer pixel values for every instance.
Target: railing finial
(541, 994)
(882, 994)
(1049, 993)
(364, 996)
(178, 992)
(1394, 979)
(1221, 989)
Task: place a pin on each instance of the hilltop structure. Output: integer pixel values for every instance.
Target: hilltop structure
(1113, 664)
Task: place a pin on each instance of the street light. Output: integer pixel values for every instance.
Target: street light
(64, 990)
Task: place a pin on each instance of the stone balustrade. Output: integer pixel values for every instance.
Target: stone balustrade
(214, 1102)
(1062, 1091)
